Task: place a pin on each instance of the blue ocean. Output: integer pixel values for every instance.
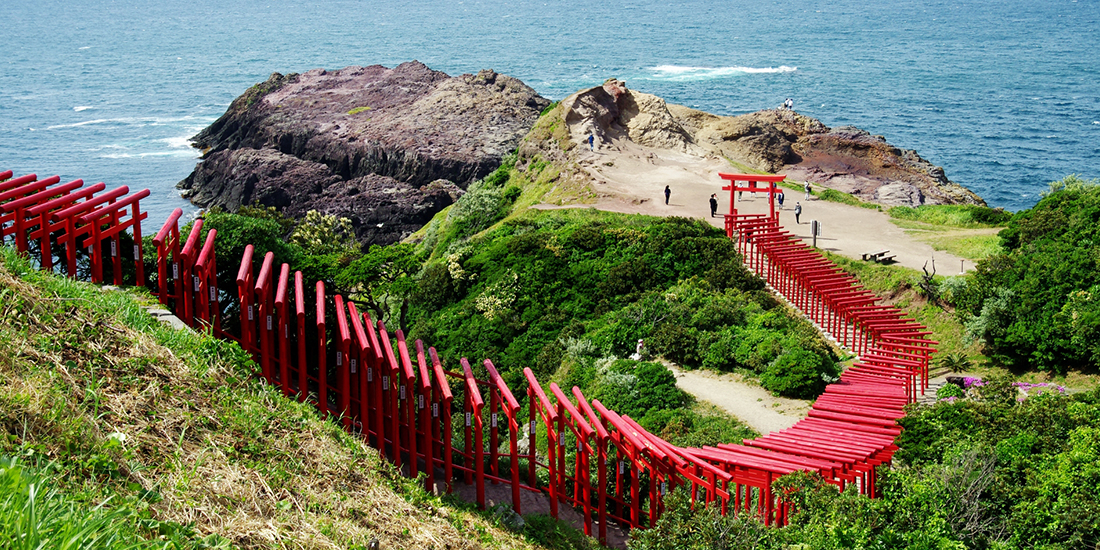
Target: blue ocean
(1004, 94)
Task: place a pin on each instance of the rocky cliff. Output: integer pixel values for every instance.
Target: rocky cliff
(386, 148)
(847, 159)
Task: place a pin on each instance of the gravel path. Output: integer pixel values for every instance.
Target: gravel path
(749, 403)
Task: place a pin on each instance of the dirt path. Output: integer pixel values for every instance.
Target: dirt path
(632, 178)
(749, 403)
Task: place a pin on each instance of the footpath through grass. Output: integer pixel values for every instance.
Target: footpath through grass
(129, 431)
(964, 230)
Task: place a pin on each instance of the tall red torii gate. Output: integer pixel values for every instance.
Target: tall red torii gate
(752, 179)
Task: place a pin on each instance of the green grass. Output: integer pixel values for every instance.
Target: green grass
(358, 110)
(965, 216)
(832, 195)
(971, 247)
(35, 514)
(966, 231)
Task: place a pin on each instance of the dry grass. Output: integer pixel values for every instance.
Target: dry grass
(187, 437)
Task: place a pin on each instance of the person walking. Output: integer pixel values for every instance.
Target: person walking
(808, 188)
(668, 193)
(797, 212)
(591, 142)
(779, 198)
(713, 204)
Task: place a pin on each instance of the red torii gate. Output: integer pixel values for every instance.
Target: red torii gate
(752, 180)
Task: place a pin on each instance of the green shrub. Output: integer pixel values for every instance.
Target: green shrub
(677, 343)
(635, 388)
(686, 526)
(950, 390)
(798, 373)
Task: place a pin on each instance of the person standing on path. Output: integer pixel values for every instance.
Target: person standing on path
(591, 142)
(808, 188)
(713, 204)
(668, 193)
(797, 212)
(779, 197)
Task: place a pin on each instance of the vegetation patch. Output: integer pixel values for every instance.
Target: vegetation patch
(952, 215)
(832, 195)
(1036, 306)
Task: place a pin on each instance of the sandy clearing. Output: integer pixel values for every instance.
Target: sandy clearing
(750, 403)
(631, 179)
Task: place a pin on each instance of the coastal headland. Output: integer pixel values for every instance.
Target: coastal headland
(385, 148)
(389, 148)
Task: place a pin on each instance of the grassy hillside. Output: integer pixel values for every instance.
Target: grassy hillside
(172, 435)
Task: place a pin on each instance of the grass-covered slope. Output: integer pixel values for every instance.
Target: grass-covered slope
(520, 291)
(172, 434)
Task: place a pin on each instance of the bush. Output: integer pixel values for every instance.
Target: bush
(635, 388)
(677, 343)
(686, 526)
(799, 374)
(950, 390)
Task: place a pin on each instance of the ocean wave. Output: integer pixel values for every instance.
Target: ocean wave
(178, 142)
(79, 108)
(133, 121)
(687, 74)
(193, 153)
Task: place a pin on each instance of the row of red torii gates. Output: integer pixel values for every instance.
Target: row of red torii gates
(462, 422)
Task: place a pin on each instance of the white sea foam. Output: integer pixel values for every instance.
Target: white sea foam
(84, 48)
(178, 142)
(133, 121)
(153, 154)
(687, 74)
(80, 108)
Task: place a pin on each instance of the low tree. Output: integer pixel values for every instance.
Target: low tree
(384, 279)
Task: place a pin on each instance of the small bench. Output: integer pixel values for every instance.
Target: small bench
(874, 256)
(886, 259)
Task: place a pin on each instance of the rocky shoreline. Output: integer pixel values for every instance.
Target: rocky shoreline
(847, 159)
(390, 148)
(386, 148)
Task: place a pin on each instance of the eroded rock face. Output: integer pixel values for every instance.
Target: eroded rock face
(386, 148)
(779, 141)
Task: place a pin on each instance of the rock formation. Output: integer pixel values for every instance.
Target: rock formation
(386, 148)
(779, 141)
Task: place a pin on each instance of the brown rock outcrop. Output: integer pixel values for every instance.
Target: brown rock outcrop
(847, 159)
(386, 148)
